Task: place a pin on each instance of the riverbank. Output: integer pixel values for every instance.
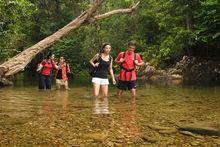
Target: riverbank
(190, 70)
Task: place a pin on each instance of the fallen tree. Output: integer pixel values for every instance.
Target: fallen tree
(18, 62)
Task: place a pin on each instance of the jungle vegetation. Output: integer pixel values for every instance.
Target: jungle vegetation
(164, 30)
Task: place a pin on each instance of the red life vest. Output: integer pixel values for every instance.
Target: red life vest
(127, 71)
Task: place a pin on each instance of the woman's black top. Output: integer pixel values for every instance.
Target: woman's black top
(59, 74)
(102, 69)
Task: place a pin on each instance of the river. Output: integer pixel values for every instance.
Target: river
(29, 117)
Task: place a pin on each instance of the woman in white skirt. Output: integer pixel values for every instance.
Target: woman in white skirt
(103, 63)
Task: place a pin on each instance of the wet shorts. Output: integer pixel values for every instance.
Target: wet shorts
(124, 85)
(61, 82)
(100, 81)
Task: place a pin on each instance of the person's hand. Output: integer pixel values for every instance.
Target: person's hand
(59, 66)
(136, 62)
(96, 64)
(122, 60)
(113, 81)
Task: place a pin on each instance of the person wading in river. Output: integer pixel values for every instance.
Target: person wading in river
(103, 63)
(61, 74)
(44, 70)
(127, 78)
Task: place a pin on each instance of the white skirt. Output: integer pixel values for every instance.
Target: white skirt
(100, 81)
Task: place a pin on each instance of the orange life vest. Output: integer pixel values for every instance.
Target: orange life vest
(64, 69)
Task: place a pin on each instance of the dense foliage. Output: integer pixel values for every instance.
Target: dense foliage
(15, 26)
(164, 30)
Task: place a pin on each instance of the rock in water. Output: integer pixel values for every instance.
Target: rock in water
(202, 128)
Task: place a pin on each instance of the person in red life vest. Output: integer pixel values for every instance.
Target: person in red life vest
(62, 74)
(45, 72)
(127, 77)
(103, 65)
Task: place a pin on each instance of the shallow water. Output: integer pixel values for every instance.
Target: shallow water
(29, 117)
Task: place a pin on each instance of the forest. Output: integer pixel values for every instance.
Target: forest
(178, 83)
(164, 30)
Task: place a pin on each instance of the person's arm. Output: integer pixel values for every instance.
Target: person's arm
(40, 65)
(119, 59)
(68, 67)
(138, 61)
(43, 62)
(138, 64)
(111, 72)
(93, 59)
(55, 65)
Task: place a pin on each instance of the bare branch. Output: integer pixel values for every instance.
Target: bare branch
(114, 12)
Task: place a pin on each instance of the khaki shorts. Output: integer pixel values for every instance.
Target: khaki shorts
(60, 82)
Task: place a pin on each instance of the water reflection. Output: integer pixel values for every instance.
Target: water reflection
(55, 100)
(129, 121)
(100, 105)
(63, 100)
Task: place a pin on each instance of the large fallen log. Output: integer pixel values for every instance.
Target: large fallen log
(18, 62)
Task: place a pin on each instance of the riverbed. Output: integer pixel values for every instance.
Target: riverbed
(29, 117)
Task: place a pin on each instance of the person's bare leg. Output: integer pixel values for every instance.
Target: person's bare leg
(119, 93)
(96, 88)
(133, 92)
(66, 87)
(104, 89)
(57, 84)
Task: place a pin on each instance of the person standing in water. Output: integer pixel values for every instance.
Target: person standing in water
(127, 78)
(103, 63)
(45, 68)
(61, 74)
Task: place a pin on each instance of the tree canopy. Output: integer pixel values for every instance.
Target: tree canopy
(163, 30)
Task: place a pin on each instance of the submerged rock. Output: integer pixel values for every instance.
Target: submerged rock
(202, 128)
(5, 82)
(149, 139)
(100, 137)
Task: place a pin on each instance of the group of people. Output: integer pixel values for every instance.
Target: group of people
(128, 60)
(103, 63)
(61, 75)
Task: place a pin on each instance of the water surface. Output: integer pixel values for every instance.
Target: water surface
(29, 117)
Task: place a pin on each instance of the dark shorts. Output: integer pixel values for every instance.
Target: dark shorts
(44, 82)
(124, 85)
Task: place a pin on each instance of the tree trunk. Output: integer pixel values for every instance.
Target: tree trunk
(18, 62)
